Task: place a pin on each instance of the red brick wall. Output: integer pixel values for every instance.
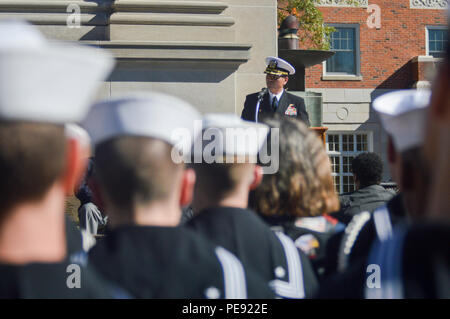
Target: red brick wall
(385, 53)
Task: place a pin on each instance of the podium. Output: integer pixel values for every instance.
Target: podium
(321, 131)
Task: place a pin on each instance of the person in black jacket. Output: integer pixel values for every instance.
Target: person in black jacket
(367, 169)
(275, 99)
(398, 111)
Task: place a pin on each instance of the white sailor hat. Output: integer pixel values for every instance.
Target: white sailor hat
(154, 115)
(229, 135)
(402, 114)
(279, 67)
(46, 81)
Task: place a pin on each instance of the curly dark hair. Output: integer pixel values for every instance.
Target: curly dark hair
(368, 168)
(303, 185)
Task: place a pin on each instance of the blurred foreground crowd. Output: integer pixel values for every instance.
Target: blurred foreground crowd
(199, 213)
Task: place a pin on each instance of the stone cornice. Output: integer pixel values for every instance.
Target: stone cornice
(170, 19)
(211, 7)
(47, 6)
(86, 19)
(176, 51)
(61, 6)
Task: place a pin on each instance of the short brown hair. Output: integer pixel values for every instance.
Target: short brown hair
(217, 180)
(135, 170)
(32, 158)
(303, 185)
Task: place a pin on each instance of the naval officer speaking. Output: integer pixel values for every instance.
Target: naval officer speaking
(274, 98)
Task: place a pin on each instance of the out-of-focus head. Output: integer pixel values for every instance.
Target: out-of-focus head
(436, 149)
(138, 141)
(225, 159)
(367, 169)
(303, 185)
(402, 115)
(46, 82)
(43, 85)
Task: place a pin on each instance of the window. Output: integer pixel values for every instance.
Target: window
(342, 149)
(437, 38)
(345, 41)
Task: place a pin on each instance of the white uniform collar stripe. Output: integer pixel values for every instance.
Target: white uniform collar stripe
(234, 275)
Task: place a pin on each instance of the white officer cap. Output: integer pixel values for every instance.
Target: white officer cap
(154, 115)
(45, 81)
(277, 66)
(229, 135)
(402, 114)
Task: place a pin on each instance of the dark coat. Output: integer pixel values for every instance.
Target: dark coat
(286, 100)
(169, 262)
(365, 199)
(243, 233)
(415, 260)
(49, 280)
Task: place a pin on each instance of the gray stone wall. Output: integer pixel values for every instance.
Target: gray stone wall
(349, 110)
(210, 53)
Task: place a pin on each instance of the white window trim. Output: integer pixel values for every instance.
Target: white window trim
(334, 76)
(354, 153)
(427, 28)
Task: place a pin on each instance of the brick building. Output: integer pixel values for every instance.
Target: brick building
(399, 53)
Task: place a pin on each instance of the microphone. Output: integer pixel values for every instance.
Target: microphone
(258, 102)
(261, 94)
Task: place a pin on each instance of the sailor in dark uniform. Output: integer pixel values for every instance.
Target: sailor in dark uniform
(412, 262)
(399, 111)
(275, 99)
(220, 207)
(144, 183)
(39, 165)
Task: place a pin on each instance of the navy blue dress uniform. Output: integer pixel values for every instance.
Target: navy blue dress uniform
(172, 262)
(56, 281)
(399, 111)
(412, 262)
(272, 255)
(163, 261)
(347, 247)
(25, 55)
(288, 104)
